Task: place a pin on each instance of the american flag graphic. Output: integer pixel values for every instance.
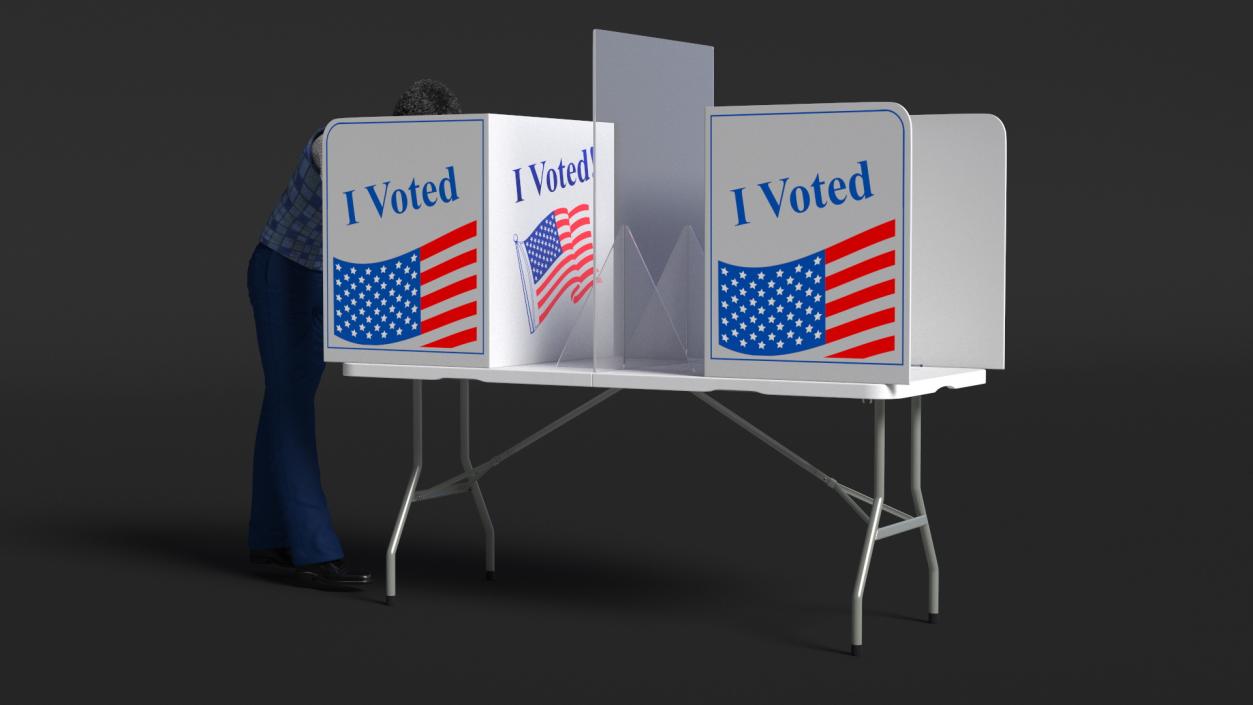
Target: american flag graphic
(839, 299)
(555, 258)
(428, 295)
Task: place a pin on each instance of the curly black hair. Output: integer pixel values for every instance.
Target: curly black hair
(427, 97)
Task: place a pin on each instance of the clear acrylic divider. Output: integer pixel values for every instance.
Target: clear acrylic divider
(607, 339)
(649, 100)
(654, 337)
(580, 264)
(680, 292)
(577, 350)
(657, 328)
(580, 347)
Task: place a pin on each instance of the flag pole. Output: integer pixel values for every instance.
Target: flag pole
(528, 294)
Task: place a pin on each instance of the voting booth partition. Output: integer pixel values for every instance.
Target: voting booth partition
(837, 250)
(819, 266)
(457, 240)
(838, 242)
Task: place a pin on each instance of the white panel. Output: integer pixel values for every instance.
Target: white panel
(506, 178)
(807, 241)
(537, 167)
(400, 196)
(958, 276)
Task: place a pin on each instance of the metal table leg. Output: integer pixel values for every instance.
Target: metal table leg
(409, 490)
(876, 530)
(467, 466)
(872, 527)
(468, 481)
(915, 486)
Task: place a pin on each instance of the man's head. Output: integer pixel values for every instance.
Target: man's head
(427, 97)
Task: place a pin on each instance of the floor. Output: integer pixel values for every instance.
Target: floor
(651, 552)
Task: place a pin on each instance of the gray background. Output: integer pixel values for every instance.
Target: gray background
(1090, 501)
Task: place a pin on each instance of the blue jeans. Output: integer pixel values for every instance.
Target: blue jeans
(288, 506)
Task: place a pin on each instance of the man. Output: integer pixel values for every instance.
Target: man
(290, 525)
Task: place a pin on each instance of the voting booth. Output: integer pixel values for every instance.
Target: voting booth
(834, 250)
(461, 240)
(827, 242)
(832, 242)
(822, 265)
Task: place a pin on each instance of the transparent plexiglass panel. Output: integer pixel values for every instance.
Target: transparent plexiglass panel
(649, 100)
(580, 346)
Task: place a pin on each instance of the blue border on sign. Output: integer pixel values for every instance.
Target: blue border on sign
(904, 249)
(326, 235)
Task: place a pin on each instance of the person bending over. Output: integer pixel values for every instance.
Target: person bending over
(290, 523)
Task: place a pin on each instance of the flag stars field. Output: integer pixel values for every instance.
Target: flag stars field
(443, 300)
(850, 285)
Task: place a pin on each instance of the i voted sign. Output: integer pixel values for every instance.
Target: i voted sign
(384, 199)
(807, 230)
(403, 218)
(779, 197)
(459, 240)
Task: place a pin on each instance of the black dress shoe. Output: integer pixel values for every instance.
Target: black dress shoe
(331, 574)
(270, 557)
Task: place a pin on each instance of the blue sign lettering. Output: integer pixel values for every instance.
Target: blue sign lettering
(801, 197)
(546, 178)
(384, 200)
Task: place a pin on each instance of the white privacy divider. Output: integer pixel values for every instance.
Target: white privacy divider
(656, 237)
(808, 242)
(462, 240)
(883, 231)
(958, 292)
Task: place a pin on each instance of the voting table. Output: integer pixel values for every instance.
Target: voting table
(834, 250)
(933, 380)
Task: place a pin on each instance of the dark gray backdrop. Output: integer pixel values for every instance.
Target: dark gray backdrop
(1088, 503)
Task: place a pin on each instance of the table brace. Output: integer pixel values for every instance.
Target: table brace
(468, 481)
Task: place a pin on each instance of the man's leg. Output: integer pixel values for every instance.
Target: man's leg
(287, 305)
(266, 526)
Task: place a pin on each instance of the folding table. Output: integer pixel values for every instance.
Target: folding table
(926, 381)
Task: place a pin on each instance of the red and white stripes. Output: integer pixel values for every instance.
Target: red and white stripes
(861, 286)
(573, 270)
(448, 277)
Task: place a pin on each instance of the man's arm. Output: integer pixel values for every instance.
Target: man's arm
(317, 152)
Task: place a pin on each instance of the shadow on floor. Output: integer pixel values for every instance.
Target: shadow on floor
(569, 575)
(566, 574)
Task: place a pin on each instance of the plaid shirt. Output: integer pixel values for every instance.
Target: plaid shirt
(294, 229)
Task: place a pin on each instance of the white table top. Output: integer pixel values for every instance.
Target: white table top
(925, 380)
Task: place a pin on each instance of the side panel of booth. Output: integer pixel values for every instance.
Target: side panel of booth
(541, 173)
(958, 287)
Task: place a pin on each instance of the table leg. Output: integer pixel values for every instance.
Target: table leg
(872, 527)
(467, 466)
(409, 490)
(920, 509)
